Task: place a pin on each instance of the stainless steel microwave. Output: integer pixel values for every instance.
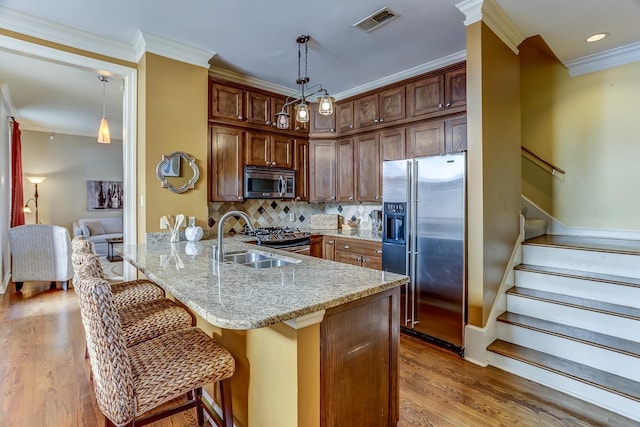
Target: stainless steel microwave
(269, 183)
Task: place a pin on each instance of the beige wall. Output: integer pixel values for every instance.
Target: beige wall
(67, 162)
(493, 187)
(172, 116)
(587, 125)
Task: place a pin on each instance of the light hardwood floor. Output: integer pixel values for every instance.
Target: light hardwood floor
(44, 379)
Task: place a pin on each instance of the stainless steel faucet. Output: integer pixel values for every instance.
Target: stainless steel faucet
(223, 219)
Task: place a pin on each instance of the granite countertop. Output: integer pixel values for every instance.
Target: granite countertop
(234, 296)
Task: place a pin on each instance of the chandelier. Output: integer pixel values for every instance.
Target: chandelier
(300, 99)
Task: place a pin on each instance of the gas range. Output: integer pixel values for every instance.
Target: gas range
(279, 237)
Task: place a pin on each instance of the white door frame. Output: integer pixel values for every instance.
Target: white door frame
(129, 121)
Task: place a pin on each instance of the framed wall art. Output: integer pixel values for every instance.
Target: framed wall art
(104, 195)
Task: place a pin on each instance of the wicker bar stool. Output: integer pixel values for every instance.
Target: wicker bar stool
(141, 320)
(125, 293)
(130, 381)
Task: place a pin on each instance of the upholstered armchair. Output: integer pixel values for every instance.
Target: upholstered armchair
(39, 253)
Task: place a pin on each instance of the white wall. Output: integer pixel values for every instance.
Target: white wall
(67, 162)
(5, 194)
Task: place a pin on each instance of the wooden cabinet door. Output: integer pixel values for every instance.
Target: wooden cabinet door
(425, 96)
(374, 263)
(320, 123)
(344, 116)
(392, 105)
(315, 246)
(281, 151)
(301, 165)
(427, 139)
(226, 162)
(455, 88)
(455, 134)
(322, 171)
(356, 338)
(366, 111)
(367, 162)
(345, 178)
(328, 248)
(258, 108)
(227, 102)
(258, 149)
(393, 144)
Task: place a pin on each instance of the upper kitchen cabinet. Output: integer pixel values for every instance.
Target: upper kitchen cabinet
(226, 102)
(393, 144)
(301, 165)
(426, 139)
(259, 109)
(321, 124)
(344, 116)
(367, 167)
(455, 134)
(382, 107)
(226, 160)
(322, 171)
(437, 94)
(345, 183)
(269, 150)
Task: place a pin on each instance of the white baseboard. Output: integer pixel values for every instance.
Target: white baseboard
(477, 339)
(557, 227)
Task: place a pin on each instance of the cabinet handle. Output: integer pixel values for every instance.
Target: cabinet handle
(363, 259)
(298, 198)
(239, 197)
(332, 198)
(377, 197)
(350, 197)
(381, 120)
(333, 130)
(448, 104)
(345, 246)
(440, 106)
(268, 122)
(330, 242)
(350, 126)
(239, 117)
(273, 163)
(376, 121)
(379, 251)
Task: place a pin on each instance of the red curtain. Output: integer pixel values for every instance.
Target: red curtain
(17, 200)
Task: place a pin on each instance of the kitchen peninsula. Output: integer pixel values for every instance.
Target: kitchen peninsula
(315, 342)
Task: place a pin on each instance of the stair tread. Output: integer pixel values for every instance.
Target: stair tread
(578, 274)
(620, 345)
(622, 246)
(595, 377)
(583, 303)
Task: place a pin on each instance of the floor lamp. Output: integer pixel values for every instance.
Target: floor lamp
(35, 180)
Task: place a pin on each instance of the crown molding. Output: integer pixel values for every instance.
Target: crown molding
(44, 29)
(148, 42)
(235, 77)
(403, 75)
(491, 14)
(603, 60)
(29, 126)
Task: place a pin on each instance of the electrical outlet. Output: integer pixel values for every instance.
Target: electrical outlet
(192, 221)
(163, 224)
(292, 217)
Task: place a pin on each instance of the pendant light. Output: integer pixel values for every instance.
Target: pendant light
(104, 137)
(301, 108)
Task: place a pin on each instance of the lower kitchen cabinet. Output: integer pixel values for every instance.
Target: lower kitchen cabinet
(358, 252)
(315, 246)
(329, 248)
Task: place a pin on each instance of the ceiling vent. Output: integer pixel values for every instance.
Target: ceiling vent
(376, 19)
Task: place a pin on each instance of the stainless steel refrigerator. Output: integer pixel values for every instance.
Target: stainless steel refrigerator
(424, 237)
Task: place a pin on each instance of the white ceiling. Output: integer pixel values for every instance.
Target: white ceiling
(257, 39)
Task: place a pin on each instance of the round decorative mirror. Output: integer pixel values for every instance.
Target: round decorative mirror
(178, 172)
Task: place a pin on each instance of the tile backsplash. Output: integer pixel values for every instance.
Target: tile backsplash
(272, 213)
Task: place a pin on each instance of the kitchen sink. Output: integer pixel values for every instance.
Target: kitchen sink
(256, 260)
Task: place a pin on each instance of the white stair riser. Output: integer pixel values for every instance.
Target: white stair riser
(611, 401)
(599, 291)
(594, 321)
(597, 262)
(585, 354)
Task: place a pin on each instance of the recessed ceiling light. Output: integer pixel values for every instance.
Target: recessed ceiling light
(596, 37)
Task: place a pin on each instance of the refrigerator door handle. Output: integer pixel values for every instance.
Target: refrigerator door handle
(413, 210)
